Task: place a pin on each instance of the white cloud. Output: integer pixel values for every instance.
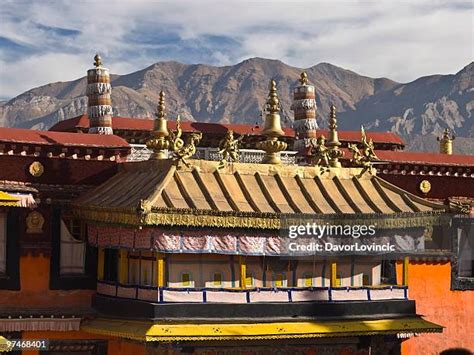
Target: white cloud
(401, 40)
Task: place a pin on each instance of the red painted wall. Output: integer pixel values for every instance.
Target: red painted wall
(442, 187)
(57, 171)
(429, 285)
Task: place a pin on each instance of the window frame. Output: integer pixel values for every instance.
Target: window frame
(460, 283)
(10, 280)
(88, 280)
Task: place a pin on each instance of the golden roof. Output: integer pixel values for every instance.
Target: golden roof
(248, 196)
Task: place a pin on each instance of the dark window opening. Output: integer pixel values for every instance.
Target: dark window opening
(111, 265)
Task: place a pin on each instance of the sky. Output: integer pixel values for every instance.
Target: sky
(49, 41)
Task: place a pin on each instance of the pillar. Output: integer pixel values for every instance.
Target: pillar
(406, 263)
(160, 269)
(243, 272)
(333, 274)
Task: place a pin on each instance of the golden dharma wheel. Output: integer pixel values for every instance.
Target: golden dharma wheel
(425, 186)
(36, 169)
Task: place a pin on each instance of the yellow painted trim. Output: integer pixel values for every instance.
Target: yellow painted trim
(160, 269)
(123, 266)
(243, 272)
(406, 263)
(100, 263)
(248, 331)
(333, 274)
(7, 197)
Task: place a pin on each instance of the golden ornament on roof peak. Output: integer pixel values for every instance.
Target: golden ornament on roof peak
(97, 60)
(333, 143)
(304, 78)
(446, 142)
(160, 110)
(273, 103)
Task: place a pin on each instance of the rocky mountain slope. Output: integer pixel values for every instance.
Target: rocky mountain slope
(418, 110)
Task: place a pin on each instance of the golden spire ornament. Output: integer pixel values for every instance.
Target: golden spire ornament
(333, 143)
(446, 142)
(159, 144)
(304, 78)
(272, 128)
(97, 60)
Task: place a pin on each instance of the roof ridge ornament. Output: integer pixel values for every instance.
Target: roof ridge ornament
(175, 136)
(159, 144)
(320, 154)
(229, 148)
(272, 128)
(333, 143)
(366, 156)
(446, 142)
(187, 150)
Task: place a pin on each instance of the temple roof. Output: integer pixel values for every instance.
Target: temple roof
(143, 124)
(246, 195)
(29, 136)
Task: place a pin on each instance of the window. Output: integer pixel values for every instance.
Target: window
(73, 262)
(133, 268)
(185, 279)
(110, 265)
(9, 250)
(279, 280)
(307, 280)
(466, 255)
(217, 279)
(462, 270)
(249, 280)
(3, 244)
(73, 247)
(365, 280)
(146, 265)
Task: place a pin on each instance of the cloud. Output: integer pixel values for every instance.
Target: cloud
(401, 40)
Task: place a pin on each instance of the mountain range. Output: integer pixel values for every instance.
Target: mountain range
(418, 111)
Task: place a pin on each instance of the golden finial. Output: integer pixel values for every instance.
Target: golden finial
(446, 142)
(160, 110)
(273, 103)
(304, 78)
(159, 144)
(333, 142)
(332, 118)
(272, 129)
(97, 61)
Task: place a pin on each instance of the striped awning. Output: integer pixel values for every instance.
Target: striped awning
(166, 332)
(244, 195)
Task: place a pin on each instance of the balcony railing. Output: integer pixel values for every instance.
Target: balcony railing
(140, 152)
(263, 295)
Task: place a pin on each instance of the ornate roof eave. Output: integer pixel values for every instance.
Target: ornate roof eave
(218, 219)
